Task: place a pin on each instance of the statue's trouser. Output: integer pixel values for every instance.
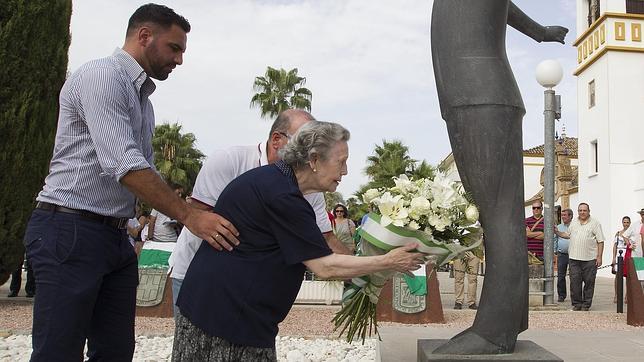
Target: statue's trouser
(487, 147)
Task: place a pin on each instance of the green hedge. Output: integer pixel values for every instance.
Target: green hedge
(34, 40)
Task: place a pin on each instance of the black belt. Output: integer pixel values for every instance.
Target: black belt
(115, 222)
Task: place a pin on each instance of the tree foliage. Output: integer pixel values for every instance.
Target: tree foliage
(279, 90)
(175, 155)
(333, 198)
(390, 160)
(34, 40)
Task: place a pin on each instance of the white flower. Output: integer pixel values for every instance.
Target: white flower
(413, 225)
(438, 222)
(370, 195)
(418, 207)
(391, 209)
(472, 214)
(404, 185)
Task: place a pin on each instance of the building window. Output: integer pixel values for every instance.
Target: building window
(635, 6)
(594, 157)
(591, 94)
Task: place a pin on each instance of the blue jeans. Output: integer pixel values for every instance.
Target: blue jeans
(562, 269)
(86, 278)
(176, 287)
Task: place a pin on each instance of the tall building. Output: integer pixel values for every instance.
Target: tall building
(610, 108)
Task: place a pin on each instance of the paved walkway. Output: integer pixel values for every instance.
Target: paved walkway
(602, 301)
(570, 345)
(400, 345)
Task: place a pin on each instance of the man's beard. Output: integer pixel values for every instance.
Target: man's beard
(156, 67)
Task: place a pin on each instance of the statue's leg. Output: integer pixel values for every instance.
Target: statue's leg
(487, 146)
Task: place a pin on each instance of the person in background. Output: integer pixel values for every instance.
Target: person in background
(641, 230)
(344, 228)
(561, 248)
(163, 228)
(534, 230)
(16, 280)
(585, 256)
(468, 265)
(624, 242)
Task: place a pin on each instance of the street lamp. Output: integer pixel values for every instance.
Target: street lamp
(549, 74)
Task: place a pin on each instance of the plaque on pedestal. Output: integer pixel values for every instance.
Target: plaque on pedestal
(154, 294)
(398, 304)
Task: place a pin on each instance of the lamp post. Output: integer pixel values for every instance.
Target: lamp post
(549, 74)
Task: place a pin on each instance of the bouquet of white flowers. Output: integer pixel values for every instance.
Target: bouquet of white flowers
(434, 213)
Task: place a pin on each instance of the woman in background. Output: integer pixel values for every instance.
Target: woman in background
(624, 242)
(344, 228)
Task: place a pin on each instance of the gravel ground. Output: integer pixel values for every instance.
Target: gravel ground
(305, 321)
(305, 336)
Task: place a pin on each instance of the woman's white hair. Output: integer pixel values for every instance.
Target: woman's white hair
(313, 138)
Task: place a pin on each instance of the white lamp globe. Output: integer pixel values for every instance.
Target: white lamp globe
(549, 73)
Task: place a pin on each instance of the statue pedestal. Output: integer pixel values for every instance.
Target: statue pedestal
(535, 285)
(397, 304)
(523, 351)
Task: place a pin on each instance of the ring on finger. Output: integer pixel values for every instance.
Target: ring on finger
(216, 236)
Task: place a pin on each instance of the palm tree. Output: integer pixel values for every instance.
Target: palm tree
(175, 155)
(390, 160)
(279, 90)
(333, 198)
(423, 170)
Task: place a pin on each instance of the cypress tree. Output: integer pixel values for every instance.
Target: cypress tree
(34, 40)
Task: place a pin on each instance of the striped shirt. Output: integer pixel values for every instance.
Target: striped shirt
(535, 245)
(105, 127)
(584, 239)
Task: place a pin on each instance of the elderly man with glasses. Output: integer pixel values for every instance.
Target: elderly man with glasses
(534, 230)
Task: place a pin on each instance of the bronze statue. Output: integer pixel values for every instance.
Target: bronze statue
(482, 106)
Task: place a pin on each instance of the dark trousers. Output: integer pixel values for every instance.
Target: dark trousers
(16, 280)
(562, 269)
(86, 276)
(582, 271)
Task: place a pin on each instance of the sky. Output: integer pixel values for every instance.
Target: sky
(367, 63)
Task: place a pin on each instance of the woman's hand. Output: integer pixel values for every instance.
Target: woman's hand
(405, 258)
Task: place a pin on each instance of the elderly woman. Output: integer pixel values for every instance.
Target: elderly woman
(232, 302)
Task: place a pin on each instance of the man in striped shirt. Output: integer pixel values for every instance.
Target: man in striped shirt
(585, 256)
(534, 229)
(85, 267)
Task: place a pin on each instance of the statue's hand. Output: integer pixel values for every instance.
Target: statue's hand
(555, 33)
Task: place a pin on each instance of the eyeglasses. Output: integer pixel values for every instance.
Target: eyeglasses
(536, 207)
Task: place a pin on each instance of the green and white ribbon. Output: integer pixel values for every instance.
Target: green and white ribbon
(382, 239)
(391, 236)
